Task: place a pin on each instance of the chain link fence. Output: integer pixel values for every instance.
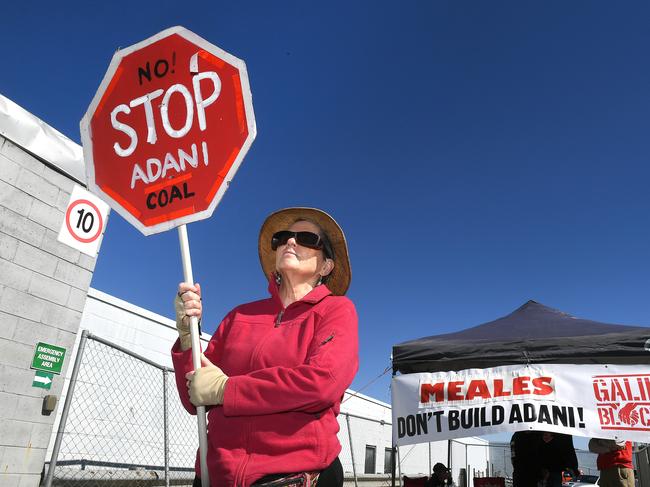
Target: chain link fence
(499, 463)
(123, 425)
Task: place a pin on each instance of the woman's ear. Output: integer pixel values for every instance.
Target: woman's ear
(327, 267)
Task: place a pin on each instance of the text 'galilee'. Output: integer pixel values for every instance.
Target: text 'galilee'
(189, 109)
(623, 401)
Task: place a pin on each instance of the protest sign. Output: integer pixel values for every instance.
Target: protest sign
(167, 129)
(604, 401)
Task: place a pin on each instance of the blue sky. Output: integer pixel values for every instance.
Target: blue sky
(476, 154)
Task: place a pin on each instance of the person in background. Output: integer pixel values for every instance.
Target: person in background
(557, 454)
(524, 453)
(440, 477)
(275, 371)
(614, 462)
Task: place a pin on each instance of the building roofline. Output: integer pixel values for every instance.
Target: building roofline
(136, 310)
(41, 140)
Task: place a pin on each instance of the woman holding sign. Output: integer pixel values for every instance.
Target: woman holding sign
(275, 371)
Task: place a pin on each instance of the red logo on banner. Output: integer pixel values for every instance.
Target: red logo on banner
(471, 390)
(623, 401)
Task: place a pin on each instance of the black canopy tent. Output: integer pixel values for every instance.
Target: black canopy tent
(531, 334)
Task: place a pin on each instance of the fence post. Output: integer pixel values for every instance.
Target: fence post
(354, 467)
(393, 463)
(467, 484)
(166, 427)
(66, 409)
(399, 467)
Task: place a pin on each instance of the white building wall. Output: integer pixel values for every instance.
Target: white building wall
(136, 329)
(43, 282)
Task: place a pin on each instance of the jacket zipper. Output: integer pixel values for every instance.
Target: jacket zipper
(328, 339)
(260, 345)
(240, 475)
(279, 318)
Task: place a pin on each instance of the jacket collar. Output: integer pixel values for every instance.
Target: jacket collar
(312, 297)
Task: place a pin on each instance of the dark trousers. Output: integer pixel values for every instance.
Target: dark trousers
(524, 478)
(554, 479)
(332, 476)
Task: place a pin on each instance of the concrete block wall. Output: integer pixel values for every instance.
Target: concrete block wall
(43, 287)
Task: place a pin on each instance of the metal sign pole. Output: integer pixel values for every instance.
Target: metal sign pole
(196, 357)
(354, 467)
(66, 409)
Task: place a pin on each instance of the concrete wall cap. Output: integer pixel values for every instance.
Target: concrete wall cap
(43, 141)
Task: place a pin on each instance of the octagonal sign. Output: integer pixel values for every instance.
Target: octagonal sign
(167, 129)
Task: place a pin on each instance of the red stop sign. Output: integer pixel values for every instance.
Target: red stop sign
(168, 129)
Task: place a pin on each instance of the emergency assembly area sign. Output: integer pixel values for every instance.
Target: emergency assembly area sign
(84, 222)
(167, 130)
(48, 358)
(602, 401)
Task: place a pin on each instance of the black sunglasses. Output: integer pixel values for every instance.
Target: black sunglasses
(306, 239)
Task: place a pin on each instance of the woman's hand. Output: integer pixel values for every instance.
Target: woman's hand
(187, 304)
(207, 384)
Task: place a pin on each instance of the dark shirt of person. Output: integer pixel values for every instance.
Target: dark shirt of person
(525, 455)
(557, 454)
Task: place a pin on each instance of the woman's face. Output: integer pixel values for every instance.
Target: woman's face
(302, 263)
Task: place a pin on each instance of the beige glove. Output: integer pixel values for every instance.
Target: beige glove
(187, 303)
(206, 385)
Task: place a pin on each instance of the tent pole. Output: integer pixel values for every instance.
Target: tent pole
(392, 465)
(394, 454)
(466, 468)
(399, 467)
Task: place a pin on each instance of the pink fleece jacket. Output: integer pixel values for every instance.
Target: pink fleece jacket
(288, 370)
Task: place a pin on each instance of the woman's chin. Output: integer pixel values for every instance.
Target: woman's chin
(289, 269)
(288, 263)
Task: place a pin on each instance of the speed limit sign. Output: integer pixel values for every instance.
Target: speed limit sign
(84, 222)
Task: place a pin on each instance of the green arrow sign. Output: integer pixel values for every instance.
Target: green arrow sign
(43, 379)
(48, 358)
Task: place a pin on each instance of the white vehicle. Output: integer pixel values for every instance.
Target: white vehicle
(585, 481)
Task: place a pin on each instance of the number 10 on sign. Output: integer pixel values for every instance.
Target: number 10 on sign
(84, 222)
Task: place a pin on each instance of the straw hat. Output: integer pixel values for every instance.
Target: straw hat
(339, 279)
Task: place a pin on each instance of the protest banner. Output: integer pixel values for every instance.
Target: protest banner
(603, 401)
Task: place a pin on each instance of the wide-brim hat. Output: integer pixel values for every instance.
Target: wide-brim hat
(340, 277)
